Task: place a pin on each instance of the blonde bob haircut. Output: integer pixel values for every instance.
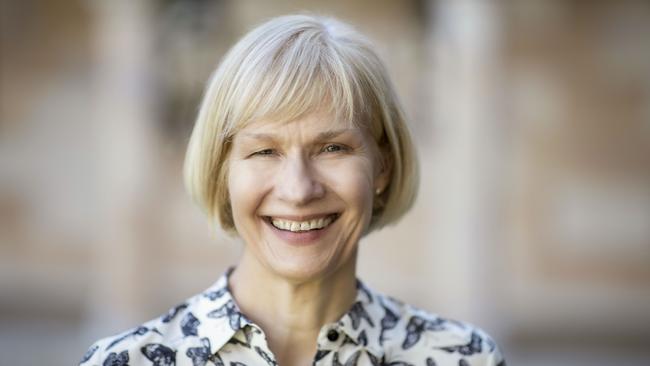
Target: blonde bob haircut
(282, 70)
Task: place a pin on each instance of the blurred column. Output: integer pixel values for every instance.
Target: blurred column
(462, 162)
(123, 123)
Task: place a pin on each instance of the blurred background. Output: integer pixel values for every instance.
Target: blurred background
(532, 120)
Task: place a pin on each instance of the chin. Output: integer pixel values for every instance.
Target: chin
(301, 270)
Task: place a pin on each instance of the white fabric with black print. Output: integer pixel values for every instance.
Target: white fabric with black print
(208, 329)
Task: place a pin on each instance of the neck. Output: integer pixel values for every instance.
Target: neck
(292, 312)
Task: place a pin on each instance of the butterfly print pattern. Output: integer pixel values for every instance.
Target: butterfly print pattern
(357, 313)
(388, 322)
(173, 312)
(117, 359)
(474, 346)
(230, 311)
(216, 294)
(210, 330)
(416, 326)
(362, 339)
(159, 355)
(200, 355)
(189, 325)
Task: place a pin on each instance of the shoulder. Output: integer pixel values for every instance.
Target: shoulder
(414, 336)
(148, 340)
(156, 339)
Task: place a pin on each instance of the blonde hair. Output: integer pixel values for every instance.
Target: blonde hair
(285, 69)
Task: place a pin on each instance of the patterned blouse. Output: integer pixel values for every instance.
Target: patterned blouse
(208, 329)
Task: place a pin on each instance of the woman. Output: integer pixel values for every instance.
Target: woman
(300, 149)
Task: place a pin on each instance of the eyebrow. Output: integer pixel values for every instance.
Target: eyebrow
(326, 135)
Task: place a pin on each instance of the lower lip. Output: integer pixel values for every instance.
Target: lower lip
(299, 238)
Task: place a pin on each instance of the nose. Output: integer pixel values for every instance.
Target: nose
(297, 183)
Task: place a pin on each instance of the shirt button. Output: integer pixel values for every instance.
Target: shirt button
(332, 335)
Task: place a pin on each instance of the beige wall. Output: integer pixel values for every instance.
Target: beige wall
(532, 120)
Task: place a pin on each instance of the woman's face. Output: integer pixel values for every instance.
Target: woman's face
(302, 193)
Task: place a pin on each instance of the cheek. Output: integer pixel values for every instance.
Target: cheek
(352, 181)
(246, 187)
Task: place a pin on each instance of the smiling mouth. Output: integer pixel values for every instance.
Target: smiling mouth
(302, 226)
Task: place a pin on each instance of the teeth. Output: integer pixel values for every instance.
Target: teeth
(296, 226)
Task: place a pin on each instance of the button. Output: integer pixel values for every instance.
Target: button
(332, 335)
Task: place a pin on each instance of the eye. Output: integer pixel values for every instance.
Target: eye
(333, 148)
(264, 152)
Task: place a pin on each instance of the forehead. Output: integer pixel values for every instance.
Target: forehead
(313, 124)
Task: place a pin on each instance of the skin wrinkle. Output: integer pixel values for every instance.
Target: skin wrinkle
(278, 175)
(309, 284)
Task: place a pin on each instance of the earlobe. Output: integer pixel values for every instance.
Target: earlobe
(381, 183)
(383, 177)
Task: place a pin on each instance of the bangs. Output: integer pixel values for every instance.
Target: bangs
(297, 77)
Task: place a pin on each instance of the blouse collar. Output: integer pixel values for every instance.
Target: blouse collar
(222, 317)
(364, 323)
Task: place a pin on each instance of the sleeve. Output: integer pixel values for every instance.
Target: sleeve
(496, 358)
(494, 355)
(91, 357)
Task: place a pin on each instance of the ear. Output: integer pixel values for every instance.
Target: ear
(384, 170)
